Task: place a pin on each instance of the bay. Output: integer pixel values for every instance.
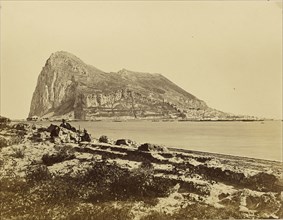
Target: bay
(249, 139)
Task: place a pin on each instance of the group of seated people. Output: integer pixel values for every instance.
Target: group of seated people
(83, 136)
(67, 125)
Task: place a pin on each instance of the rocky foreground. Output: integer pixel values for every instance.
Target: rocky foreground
(58, 178)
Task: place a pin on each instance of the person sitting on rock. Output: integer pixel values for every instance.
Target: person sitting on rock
(54, 131)
(66, 125)
(85, 136)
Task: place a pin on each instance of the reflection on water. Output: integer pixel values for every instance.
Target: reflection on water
(250, 139)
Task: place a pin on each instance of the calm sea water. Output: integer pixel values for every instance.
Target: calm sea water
(250, 139)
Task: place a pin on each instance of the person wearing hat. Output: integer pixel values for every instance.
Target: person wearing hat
(85, 136)
(65, 124)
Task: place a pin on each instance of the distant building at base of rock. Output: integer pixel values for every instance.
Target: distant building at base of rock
(33, 118)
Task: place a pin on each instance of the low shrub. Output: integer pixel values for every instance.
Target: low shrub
(146, 165)
(93, 191)
(13, 140)
(155, 215)
(4, 142)
(102, 211)
(56, 191)
(18, 152)
(106, 182)
(203, 211)
(263, 182)
(4, 122)
(37, 173)
(10, 184)
(104, 139)
(64, 152)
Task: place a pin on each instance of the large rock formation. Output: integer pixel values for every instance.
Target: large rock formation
(67, 87)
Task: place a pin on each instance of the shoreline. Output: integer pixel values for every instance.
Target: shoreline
(101, 127)
(230, 156)
(130, 119)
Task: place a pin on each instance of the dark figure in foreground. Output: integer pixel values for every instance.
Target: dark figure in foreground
(85, 136)
(67, 125)
(54, 130)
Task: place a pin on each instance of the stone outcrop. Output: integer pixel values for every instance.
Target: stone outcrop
(125, 142)
(69, 88)
(152, 148)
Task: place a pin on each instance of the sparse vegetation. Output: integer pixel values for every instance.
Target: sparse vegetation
(109, 182)
(18, 152)
(197, 211)
(64, 152)
(102, 184)
(37, 173)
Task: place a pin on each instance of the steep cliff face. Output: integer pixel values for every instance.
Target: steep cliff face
(67, 87)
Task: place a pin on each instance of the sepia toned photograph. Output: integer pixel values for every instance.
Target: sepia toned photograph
(141, 110)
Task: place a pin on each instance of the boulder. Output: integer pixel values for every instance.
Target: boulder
(62, 135)
(125, 142)
(40, 136)
(42, 129)
(152, 148)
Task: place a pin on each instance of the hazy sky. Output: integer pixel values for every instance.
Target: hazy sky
(227, 53)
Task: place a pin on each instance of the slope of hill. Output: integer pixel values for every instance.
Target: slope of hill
(67, 87)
